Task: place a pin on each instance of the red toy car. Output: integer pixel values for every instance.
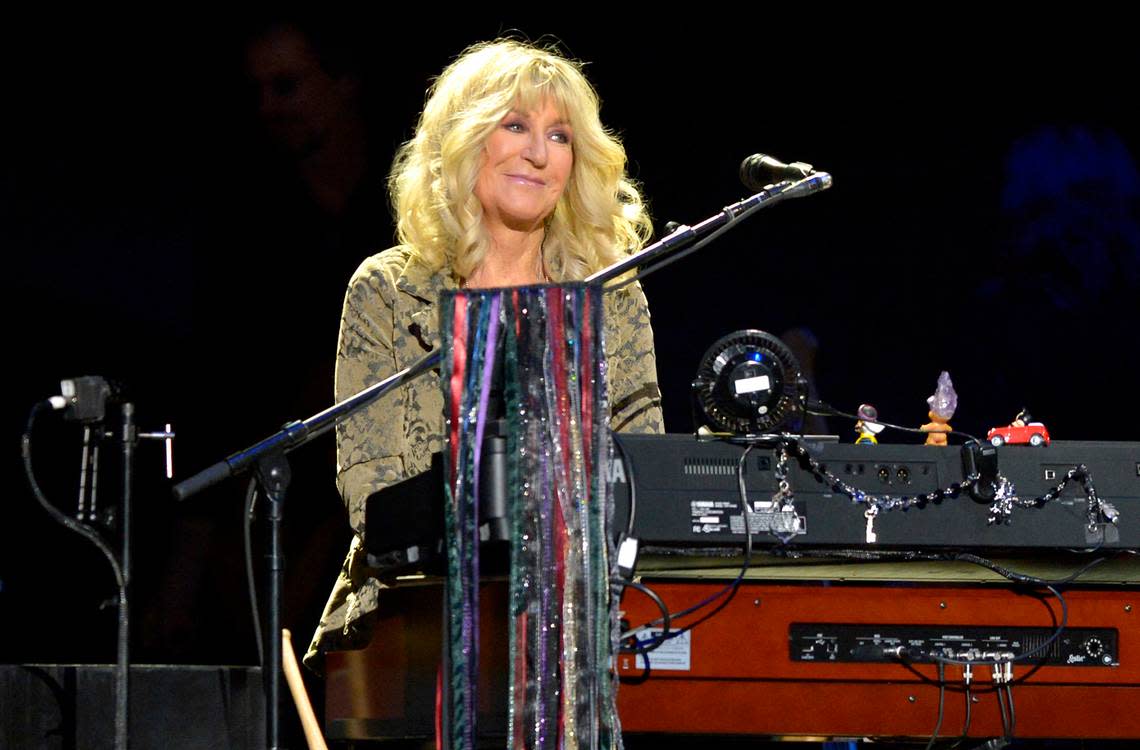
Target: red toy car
(1034, 433)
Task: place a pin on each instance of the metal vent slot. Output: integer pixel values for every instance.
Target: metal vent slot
(710, 467)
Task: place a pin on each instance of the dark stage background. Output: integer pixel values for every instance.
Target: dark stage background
(163, 230)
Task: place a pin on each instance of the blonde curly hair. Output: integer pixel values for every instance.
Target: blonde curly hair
(600, 216)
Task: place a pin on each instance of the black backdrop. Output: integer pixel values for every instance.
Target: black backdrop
(984, 220)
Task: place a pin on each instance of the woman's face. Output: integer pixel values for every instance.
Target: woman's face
(526, 163)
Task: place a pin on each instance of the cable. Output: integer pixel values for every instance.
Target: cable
(747, 539)
(122, 666)
(1012, 713)
(730, 588)
(250, 504)
(642, 648)
(969, 706)
(645, 670)
(1081, 571)
(1002, 571)
(81, 529)
(941, 705)
(666, 619)
(1026, 656)
(831, 411)
(1019, 578)
(627, 463)
(1006, 733)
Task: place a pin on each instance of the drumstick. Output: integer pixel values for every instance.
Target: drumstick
(309, 723)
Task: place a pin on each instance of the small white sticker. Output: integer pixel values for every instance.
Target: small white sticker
(673, 654)
(751, 385)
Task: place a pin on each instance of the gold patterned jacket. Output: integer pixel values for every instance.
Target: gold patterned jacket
(390, 321)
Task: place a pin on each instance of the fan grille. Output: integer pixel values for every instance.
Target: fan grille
(747, 382)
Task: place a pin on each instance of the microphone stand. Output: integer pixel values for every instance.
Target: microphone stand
(273, 474)
(129, 436)
(297, 433)
(268, 455)
(713, 227)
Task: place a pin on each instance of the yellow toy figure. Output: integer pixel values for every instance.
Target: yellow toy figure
(942, 406)
(867, 426)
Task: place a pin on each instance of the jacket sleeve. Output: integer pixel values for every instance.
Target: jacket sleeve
(370, 443)
(635, 397)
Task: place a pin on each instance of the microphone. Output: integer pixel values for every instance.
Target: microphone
(760, 170)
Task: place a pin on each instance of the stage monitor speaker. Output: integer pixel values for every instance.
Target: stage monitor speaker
(173, 707)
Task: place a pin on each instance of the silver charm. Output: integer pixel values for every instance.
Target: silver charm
(870, 514)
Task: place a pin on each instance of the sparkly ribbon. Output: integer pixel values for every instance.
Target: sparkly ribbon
(562, 627)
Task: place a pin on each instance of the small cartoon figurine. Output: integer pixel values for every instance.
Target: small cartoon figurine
(1023, 429)
(942, 406)
(867, 426)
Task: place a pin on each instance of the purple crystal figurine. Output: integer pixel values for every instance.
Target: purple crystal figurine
(945, 399)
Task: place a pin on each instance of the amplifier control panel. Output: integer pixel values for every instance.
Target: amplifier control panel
(874, 643)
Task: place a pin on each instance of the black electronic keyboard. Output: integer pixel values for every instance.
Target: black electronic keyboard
(687, 496)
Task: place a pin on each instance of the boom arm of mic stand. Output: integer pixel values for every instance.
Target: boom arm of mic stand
(685, 235)
(296, 434)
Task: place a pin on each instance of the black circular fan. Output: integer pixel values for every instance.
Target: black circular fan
(748, 382)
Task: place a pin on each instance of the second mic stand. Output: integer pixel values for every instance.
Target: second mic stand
(274, 474)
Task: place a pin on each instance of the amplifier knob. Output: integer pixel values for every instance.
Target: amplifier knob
(1094, 647)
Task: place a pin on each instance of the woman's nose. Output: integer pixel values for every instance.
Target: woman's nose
(535, 150)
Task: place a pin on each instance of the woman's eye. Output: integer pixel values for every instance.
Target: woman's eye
(560, 136)
(515, 127)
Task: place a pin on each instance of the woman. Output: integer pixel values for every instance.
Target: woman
(510, 180)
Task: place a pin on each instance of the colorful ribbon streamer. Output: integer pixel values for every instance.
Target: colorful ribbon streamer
(553, 393)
